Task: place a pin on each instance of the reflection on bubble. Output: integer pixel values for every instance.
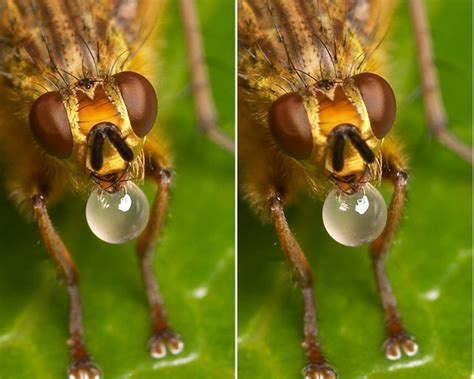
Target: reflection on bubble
(355, 219)
(117, 217)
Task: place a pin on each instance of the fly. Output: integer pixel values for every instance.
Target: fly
(315, 114)
(77, 76)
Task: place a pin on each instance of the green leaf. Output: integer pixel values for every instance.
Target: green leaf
(429, 265)
(194, 263)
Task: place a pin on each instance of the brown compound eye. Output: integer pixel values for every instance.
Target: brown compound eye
(290, 127)
(50, 125)
(140, 99)
(379, 101)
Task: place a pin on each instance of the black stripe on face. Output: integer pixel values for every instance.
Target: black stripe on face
(97, 159)
(120, 145)
(340, 134)
(361, 146)
(97, 136)
(338, 152)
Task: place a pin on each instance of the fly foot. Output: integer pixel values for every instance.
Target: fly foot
(162, 342)
(395, 344)
(83, 369)
(319, 371)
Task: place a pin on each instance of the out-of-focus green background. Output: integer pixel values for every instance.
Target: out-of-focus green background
(430, 263)
(195, 256)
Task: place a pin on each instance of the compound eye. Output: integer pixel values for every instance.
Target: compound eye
(140, 99)
(290, 127)
(379, 101)
(50, 125)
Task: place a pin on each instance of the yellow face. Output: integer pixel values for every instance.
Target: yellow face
(336, 126)
(102, 103)
(98, 126)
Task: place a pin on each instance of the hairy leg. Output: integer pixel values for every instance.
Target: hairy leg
(398, 339)
(317, 367)
(205, 109)
(434, 108)
(163, 339)
(82, 365)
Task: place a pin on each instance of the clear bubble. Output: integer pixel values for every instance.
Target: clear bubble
(357, 219)
(117, 217)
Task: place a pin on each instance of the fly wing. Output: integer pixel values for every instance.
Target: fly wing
(370, 21)
(136, 18)
(139, 21)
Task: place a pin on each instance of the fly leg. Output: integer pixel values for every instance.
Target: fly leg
(434, 108)
(398, 340)
(205, 109)
(317, 367)
(82, 365)
(163, 338)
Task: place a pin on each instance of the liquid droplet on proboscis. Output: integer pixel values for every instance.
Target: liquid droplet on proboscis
(117, 217)
(356, 219)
